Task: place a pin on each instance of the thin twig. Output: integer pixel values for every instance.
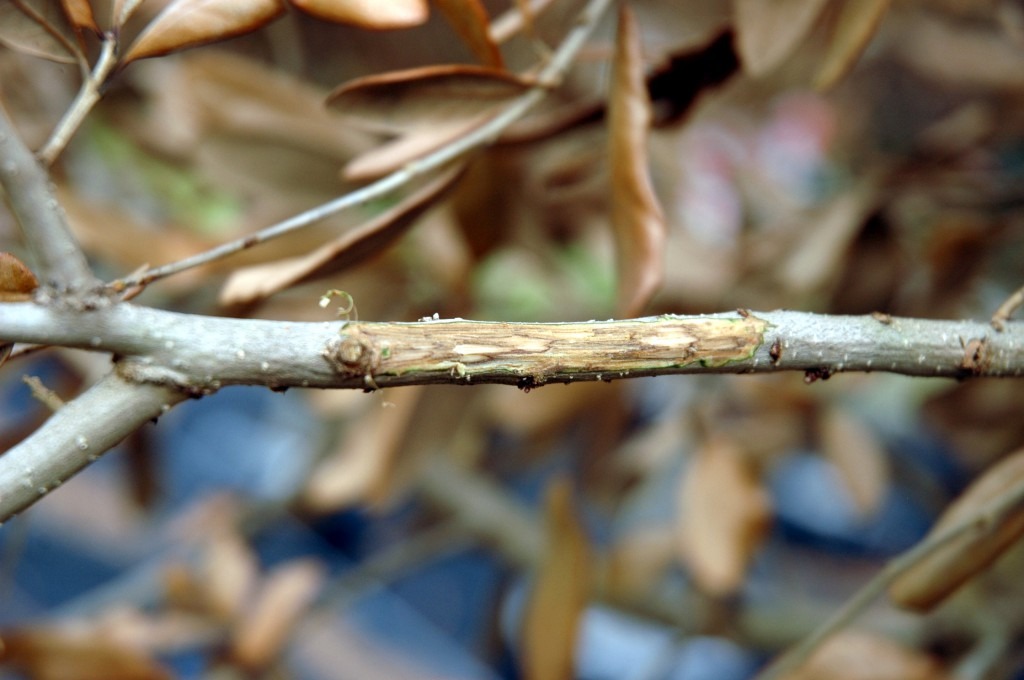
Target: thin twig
(546, 79)
(514, 20)
(983, 521)
(88, 95)
(59, 260)
(42, 393)
(1007, 309)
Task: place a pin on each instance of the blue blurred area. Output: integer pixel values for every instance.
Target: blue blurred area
(247, 439)
(813, 506)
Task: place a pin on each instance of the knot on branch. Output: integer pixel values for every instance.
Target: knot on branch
(353, 356)
(977, 358)
(66, 298)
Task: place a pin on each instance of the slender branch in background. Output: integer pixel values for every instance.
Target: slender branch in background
(1007, 309)
(546, 79)
(514, 19)
(43, 394)
(59, 260)
(79, 433)
(986, 519)
(88, 95)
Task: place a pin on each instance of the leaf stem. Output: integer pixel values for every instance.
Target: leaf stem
(85, 100)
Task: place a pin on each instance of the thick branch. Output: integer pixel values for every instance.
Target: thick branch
(60, 261)
(74, 436)
(165, 357)
(199, 354)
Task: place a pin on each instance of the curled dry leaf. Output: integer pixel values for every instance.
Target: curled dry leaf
(637, 219)
(470, 21)
(16, 280)
(816, 259)
(362, 468)
(400, 101)
(858, 455)
(428, 107)
(951, 566)
(769, 32)
(79, 13)
(857, 23)
(258, 282)
(373, 14)
(187, 23)
(855, 655)
(560, 592)
(38, 28)
(725, 514)
(16, 283)
(286, 594)
(395, 153)
(986, 57)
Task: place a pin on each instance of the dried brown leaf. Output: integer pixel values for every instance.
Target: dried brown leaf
(187, 23)
(123, 10)
(986, 57)
(361, 470)
(724, 515)
(38, 28)
(857, 23)
(858, 455)
(560, 592)
(364, 241)
(228, 574)
(940, 574)
(637, 218)
(16, 280)
(372, 14)
(79, 13)
(816, 258)
(470, 21)
(16, 283)
(398, 152)
(286, 594)
(399, 101)
(53, 654)
(768, 32)
(856, 655)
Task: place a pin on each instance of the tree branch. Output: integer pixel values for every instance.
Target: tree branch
(85, 100)
(59, 261)
(199, 354)
(76, 435)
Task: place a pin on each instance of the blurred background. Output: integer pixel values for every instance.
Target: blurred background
(692, 526)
